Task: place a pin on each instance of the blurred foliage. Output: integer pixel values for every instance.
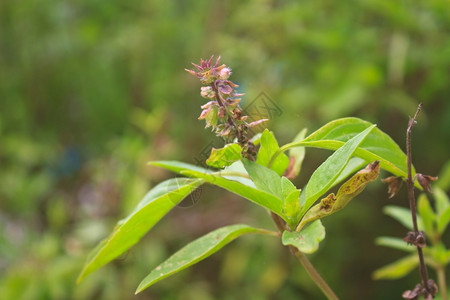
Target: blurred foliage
(90, 91)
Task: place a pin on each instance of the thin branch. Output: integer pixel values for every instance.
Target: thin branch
(410, 182)
(312, 272)
(412, 199)
(301, 257)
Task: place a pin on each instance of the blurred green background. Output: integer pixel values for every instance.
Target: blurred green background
(92, 90)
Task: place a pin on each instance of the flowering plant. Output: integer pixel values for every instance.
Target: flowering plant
(259, 170)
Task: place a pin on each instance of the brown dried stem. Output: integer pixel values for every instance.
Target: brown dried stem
(412, 199)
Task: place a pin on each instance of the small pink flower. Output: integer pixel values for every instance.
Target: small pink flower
(224, 74)
(207, 92)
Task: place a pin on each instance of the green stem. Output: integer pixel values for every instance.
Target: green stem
(281, 150)
(312, 272)
(442, 282)
(269, 232)
(332, 145)
(233, 173)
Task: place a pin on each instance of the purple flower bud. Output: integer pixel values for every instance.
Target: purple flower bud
(225, 88)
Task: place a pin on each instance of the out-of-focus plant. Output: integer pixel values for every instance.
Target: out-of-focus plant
(257, 168)
(433, 222)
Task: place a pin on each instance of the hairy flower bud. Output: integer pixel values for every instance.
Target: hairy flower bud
(224, 74)
(207, 92)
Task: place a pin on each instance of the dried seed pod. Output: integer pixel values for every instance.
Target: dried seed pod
(394, 185)
(425, 181)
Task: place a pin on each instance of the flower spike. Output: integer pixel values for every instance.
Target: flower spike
(223, 112)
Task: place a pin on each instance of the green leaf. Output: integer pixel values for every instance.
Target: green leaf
(444, 177)
(443, 221)
(291, 201)
(426, 212)
(354, 164)
(349, 190)
(231, 179)
(291, 207)
(155, 205)
(439, 255)
(249, 192)
(307, 240)
(269, 146)
(377, 146)
(324, 176)
(397, 269)
(177, 166)
(395, 243)
(297, 154)
(196, 251)
(256, 139)
(264, 178)
(267, 180)
(442, 200)
(225, 156)
(402, 215)
(287, 187)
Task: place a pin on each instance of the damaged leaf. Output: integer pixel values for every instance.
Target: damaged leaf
(349, 190)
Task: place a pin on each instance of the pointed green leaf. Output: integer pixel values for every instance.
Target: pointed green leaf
(297, 154)
(249, 192)
(426, 212)
(196, 251)
(354, 164)
(264, 178)
(349, 190)
(443, 221)
(155, 205)
(324, 176)
(269, 146)
(443, 181)
(377, 146)
(397, 269)
(442, 200)
(291, 208)
(287, 187)
(291, 201)
(228, 180)
(395, 243)
(225, 156)
(442, 209)
(177, 166)
(307, 240)
(402, 215)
